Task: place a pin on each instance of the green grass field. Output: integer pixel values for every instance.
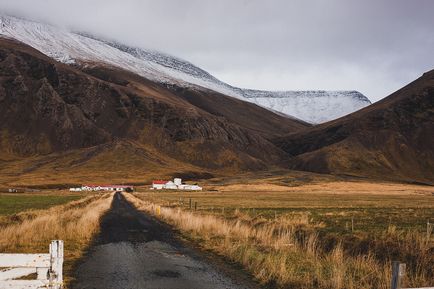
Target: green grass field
(14, 203)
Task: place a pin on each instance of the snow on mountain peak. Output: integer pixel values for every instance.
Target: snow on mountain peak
(314, 106)
(69, 47)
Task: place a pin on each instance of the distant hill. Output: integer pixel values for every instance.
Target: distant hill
(391, 139)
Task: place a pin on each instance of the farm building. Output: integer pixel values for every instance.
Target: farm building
(158, 185)
(176, 184)
(111, 188)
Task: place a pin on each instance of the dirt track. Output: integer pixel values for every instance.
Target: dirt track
(136, 251)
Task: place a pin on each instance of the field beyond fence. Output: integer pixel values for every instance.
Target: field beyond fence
(314, 240)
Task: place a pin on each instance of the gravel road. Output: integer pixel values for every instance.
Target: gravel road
(136, 251)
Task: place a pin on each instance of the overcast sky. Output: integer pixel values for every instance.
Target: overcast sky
(374, 46)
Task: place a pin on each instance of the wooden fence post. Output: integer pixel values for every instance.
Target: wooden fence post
(56, 264)
(352, 224)
(195, 206)
(398, 272)
(190, 203)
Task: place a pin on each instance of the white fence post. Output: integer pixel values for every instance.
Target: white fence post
(56, 264)
(398, 271)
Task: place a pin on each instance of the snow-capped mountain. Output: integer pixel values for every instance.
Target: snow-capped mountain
(314, 106)
(83, 49)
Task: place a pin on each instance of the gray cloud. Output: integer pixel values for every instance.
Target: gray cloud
(374, 46)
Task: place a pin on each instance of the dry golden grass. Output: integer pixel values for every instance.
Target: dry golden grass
(372, 207)
(76, 223)
(335, 187)
(299, 198)
(287, 253)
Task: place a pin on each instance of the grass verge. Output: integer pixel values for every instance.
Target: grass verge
(76, 223)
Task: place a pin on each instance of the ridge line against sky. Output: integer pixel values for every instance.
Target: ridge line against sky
(375, 47)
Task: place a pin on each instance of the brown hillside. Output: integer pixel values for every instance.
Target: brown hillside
(392, 139)
(117, 162)
(244, 114)
(49, 108)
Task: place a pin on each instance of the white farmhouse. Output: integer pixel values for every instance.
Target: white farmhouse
(158, 184)
(176, 184)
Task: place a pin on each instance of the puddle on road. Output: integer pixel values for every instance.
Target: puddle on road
(154, 264)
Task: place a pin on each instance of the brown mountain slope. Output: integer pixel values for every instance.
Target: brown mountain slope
(49, 108)
(244, 114)
(391, 139)
(118, 162)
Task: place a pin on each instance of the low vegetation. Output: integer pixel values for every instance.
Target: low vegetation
(15, 203)
(294, 248)
(76, 223)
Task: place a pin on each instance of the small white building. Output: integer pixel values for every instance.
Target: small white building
(170, 186)
(190, 187)
(176, 184)
(97, 188)
(177, 181)
(194, 188)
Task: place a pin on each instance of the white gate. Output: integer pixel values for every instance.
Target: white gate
(47, 267)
